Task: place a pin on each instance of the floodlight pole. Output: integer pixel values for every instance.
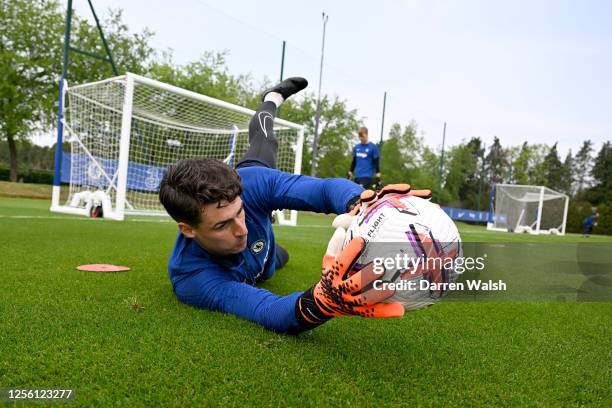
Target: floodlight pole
(441, 162)
(315, 140)
(109, 55)
(67, 40)
(382, 125)
(482, 170)
(282, 62)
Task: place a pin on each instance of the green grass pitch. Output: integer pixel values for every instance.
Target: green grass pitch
(124, 340)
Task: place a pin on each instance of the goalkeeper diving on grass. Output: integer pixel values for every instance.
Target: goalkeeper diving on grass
(226, 246)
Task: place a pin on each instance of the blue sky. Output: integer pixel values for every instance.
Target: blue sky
(536, 71)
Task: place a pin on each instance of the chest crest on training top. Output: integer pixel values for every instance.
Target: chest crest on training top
(258, 246)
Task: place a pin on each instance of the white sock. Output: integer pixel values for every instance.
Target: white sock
(274, 97)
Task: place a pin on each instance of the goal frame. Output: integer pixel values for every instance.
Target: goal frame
(119, 206)
(537, 230)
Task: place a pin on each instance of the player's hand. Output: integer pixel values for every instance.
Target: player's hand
(369, 198)
(338, 294)
(378, 185)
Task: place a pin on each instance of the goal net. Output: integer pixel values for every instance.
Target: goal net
(125, 131)
(532, 209)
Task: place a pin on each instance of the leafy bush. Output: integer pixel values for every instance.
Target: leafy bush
(29, 176)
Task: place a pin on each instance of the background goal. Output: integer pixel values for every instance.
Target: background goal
(532, 209)
(124, 132)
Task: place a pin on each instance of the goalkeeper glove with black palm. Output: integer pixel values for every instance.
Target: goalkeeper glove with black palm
(378, 185)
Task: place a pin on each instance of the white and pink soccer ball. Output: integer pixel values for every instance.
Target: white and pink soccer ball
(418, 236)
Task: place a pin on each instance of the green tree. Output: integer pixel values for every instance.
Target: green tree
(521, 165)
(32, 156)
(31, 46)
(475, 186)
(496, 162)
(406, 159)
(402, 153)
(430, 173)
(512, 153)
(582, 165)
(338, 129)
(601, 192)
(553, 169)
(456, 171)
(464, 173)
(567, 174)
(393, 167)
(29, 62)
(131, 51)
(537, 172)
(209, 76)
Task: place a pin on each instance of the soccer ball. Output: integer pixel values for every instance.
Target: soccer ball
(412, 244)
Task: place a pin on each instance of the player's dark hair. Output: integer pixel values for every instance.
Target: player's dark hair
(190, 184)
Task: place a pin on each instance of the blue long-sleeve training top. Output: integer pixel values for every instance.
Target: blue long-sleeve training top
(228, 283)
(366, 160)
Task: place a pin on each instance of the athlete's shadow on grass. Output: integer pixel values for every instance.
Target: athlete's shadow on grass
(595, 263)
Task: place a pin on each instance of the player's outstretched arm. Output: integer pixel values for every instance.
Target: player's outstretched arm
(274, 189)
(217, 291)
(327, 195)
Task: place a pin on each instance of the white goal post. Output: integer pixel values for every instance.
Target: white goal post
(528, 209)
(125, 131)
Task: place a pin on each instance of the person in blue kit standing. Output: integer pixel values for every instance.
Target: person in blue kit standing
(226, 245)
(366, 162)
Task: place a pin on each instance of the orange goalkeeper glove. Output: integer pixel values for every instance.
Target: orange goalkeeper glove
(370, 197)
(338, 294)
